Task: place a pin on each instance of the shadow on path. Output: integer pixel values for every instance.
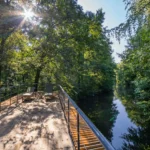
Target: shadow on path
(34, 125)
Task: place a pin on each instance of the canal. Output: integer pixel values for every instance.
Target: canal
(111, 118)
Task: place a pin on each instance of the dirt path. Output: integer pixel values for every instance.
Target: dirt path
(34, 125)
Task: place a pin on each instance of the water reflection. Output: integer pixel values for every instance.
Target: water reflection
(123, 122)
(102, 111)
(116, 124)
(137, 139)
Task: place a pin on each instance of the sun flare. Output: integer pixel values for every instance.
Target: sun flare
(28, 14)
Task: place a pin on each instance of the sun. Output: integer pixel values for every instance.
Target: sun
(28, 14)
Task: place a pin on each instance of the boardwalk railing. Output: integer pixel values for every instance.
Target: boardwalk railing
(10, 95)
(84, 133)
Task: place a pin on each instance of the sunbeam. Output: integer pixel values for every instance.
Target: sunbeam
(28, 14)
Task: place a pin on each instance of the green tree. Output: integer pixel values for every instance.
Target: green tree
(66, 46)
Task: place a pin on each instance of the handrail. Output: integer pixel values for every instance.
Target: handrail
(6, 92)
(99, 135)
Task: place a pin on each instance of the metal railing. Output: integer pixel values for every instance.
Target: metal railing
(66, 102)
(10, 92)
(10, 95)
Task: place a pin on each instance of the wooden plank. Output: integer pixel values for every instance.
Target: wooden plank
(74, 128)
(87, 138)
(98, 148)
(92, 146)
(89, 143)
(82, 142)
(81, 126)
(82, 133)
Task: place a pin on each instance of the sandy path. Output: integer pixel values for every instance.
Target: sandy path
(34, 125)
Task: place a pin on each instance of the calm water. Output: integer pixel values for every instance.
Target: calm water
(111, 118)
(121, 125)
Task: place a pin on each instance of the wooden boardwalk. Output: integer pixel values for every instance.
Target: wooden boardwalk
(33, 125)
(88, 140)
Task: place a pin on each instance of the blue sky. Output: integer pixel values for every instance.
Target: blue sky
(114, 15)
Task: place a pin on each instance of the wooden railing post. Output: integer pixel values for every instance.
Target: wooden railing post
(78, 130)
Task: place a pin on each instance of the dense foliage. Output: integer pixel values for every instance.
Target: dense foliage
(133, 80)
(133, 76)
(134, 70)
(61, 44)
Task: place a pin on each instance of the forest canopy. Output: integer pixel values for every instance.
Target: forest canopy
(133, 73)
(59, 42)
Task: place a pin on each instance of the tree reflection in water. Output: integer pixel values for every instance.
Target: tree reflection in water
(137, 139)
(102, 111)
(138, 111)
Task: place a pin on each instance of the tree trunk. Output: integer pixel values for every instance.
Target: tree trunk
(37, 77)
(2, 48)
(1, 56)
